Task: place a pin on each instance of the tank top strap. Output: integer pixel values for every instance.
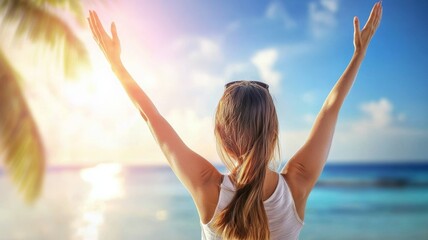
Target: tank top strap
(227, 183)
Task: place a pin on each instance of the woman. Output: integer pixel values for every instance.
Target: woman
(253, 201)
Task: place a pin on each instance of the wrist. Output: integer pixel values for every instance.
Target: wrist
(359, 55)
(116, 66)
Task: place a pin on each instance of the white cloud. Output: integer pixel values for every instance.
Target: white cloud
(375, 136)
(206, 80)
(378, 115)
(193, 68)
(322, 17)
(331, 5)
(235, 68)
(378, 134)
(264, 60)
(290, 141)
(198, 48)
(207, 49)
(238, 70)
(196, 131)
(276, 11)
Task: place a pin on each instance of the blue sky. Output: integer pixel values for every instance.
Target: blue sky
(183, 52)
(312, 42)
(393, 67)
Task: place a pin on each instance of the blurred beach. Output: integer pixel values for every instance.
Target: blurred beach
(111, 201)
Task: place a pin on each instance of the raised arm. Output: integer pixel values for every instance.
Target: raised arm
(304, 168)
(192, 169)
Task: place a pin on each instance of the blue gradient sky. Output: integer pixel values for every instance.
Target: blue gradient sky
(183, 52)
(394, 67)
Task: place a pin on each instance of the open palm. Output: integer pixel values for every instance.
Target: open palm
(109, 45)
(362, 37)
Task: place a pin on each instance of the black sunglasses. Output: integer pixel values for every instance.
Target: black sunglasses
(262, 84)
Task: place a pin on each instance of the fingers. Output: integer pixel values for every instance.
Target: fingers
(100, 34)
(114, 33)
(94, 34)
(356, 25)
(356, 30)
(95, 28)
(99, 24)
(373, 15)
(379, 15)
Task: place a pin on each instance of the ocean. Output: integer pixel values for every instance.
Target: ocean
(111, 201)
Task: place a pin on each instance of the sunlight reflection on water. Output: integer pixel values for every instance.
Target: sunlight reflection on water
(106, 182)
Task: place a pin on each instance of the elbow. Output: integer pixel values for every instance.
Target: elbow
(149, 116)
(142, 113)
(332, 104)
(144, 116)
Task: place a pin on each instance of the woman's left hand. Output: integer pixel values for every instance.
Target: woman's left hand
(109, 46)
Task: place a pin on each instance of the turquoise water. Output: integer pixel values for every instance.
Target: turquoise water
(115, 202)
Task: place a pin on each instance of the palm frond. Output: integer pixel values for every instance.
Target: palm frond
(74, 6)
(20, 141)
(39, 24)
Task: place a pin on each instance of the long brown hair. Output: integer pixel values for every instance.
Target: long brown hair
(246, 130)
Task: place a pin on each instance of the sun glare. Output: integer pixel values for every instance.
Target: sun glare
(105, 181)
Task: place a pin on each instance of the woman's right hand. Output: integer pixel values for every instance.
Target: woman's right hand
(362, 37)
(109, 45)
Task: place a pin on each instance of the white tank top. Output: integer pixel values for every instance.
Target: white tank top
(284, 223)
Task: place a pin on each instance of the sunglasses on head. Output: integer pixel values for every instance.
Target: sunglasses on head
(262, 84)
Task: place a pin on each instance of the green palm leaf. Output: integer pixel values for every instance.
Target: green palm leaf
(21, 144)
(36, 21)
(20, 141)
(73, 6)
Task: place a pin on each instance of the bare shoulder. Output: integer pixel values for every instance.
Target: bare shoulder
(298, 193)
